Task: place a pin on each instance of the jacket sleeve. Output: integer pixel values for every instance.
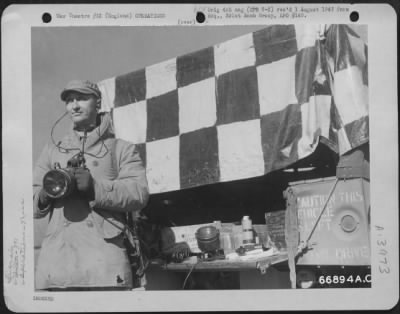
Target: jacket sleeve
(42, 166)
(129, 191)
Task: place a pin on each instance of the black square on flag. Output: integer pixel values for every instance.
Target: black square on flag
(305, 66)
(358, 131)
(340, 42)
(130, 88)
(280, 132)
(237, 96)
(195, 66)
(199, 157)
(274, 43)
(162, 116)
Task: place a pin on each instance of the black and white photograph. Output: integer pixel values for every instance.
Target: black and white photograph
(233, 158)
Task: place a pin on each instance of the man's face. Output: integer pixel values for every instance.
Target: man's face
(82, 108)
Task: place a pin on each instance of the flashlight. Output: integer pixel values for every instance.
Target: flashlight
(58, 182)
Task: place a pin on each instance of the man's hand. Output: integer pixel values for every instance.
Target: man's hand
(84, 182)
(44, 199)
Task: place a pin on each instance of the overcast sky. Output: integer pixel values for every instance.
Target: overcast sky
(60, 54)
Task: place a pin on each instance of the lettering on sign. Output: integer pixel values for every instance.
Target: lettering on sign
(352, 252)
(310, 207)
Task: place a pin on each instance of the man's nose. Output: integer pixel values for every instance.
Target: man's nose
(75, 104)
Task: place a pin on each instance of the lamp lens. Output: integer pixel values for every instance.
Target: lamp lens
(55, 183)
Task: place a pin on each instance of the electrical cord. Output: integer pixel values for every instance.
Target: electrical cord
(187, 276)
(58, 145)
(304, 245)
(97, 155)
(65, 150)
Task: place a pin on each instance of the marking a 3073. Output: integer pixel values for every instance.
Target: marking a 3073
(383, 261)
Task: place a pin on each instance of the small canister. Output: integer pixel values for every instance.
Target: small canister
(248, 237)
(208, 238)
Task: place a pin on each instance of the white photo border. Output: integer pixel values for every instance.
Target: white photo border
(19, 293)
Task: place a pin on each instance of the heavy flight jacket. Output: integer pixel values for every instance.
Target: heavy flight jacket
(83, 245)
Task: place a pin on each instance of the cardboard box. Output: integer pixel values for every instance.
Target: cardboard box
(275, 225)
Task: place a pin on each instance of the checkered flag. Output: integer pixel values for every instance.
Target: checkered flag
(244, 107)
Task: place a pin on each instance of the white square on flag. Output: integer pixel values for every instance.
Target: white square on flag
(160, 78)
(240, 151)
(306, 35)
(197, 105)
(162, 158)
(351, 95)
(234, 54)
(276, 85)
(107, 89)
(130, 122)
(315, 121)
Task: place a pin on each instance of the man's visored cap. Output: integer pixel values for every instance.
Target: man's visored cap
(84, 87)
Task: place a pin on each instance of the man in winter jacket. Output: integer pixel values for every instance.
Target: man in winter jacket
(84, 246)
